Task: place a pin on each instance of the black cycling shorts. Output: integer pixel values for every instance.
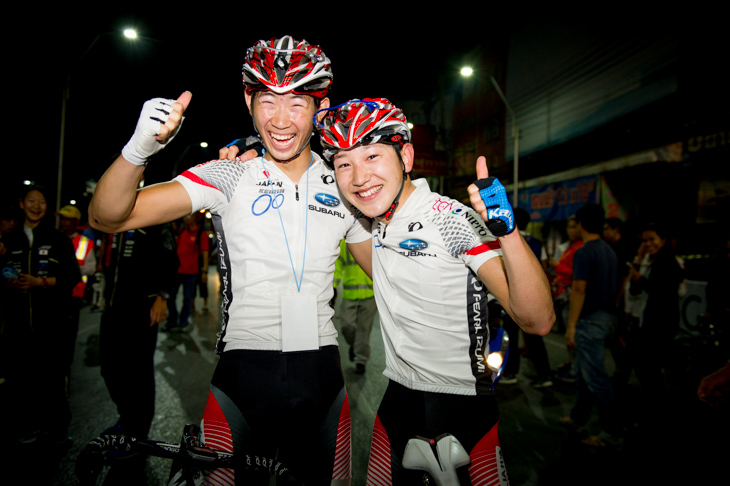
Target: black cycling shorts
(404, 414)
(286, 406)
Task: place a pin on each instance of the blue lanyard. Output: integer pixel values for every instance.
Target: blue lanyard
(306, 225)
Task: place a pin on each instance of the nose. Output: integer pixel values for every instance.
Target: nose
(360, 175)
(281, 118)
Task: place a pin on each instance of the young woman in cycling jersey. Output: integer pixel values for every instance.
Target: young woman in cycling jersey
(434, 260)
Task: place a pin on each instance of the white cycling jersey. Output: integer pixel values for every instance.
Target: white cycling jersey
(432, 305)
(261, 219)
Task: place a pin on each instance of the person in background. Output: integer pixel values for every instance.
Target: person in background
(591, 327)
(69, 218)
(8, 222)
(625, 249)
(656, 280)
(563, 268)
(9, 217)
(140, 268)
(204, 261)
(38, 304)
(357, 309)
(192, 252)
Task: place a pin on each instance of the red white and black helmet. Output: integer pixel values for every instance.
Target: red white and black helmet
(370, 120)
(286, 65)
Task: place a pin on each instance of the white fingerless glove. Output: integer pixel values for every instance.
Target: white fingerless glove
(143, 145)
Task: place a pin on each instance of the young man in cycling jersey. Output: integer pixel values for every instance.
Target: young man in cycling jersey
(434, 260)
(278, 387)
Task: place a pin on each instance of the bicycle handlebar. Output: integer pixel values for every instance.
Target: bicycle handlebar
(191, 455)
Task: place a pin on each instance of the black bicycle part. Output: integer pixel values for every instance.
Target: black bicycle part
(191, 456)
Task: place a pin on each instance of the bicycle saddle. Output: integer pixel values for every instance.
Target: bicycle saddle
(440, 457)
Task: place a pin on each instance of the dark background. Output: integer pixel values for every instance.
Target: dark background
(398, 51)
(202, 51)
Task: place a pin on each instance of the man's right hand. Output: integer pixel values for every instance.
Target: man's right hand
(158, 124)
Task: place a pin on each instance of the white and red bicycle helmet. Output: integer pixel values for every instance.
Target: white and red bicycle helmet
(370, 120)
(286, 65)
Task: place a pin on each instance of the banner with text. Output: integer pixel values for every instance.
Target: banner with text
(558, 201)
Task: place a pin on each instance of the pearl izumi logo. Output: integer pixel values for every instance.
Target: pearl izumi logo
(414, 227)
(503, 480)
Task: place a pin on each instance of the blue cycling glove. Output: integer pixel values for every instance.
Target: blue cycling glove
(500, 219)
(246, 144)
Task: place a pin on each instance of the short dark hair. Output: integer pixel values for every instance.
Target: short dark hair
(591, 218)
(30, 188)
(660, 228)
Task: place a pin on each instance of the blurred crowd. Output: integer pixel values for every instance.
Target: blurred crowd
(49, 273)
(653, 331)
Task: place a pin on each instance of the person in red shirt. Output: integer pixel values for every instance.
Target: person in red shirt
(190, 248)
(563, 268)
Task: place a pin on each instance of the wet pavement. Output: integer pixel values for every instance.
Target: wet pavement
(688, 445)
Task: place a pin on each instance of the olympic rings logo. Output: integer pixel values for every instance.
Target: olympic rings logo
(270, 202)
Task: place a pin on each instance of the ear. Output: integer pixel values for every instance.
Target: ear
(408, 154)
(249, 98)
(325, 103)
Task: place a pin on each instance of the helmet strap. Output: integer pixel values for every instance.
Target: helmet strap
(390, 212)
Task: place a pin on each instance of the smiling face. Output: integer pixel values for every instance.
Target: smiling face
(370, 176)
(284, 122)
(34, 207)
(653, 242)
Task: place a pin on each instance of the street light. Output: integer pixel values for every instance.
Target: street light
(468, 71)
(128, 33)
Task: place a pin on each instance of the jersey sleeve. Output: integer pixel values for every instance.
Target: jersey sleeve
(467, 237)
(359, 231)
(212, 185)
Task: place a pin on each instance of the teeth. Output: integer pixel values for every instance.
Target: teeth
(281, 138)
(371, 191)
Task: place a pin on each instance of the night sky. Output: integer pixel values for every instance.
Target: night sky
(388, 54)
(200, 52)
